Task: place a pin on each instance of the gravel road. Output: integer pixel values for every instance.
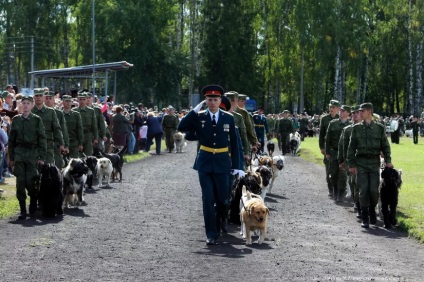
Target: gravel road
(150, 228)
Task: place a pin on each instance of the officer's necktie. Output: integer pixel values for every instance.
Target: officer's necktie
(213, 121)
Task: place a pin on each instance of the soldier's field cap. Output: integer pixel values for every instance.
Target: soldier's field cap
(354, 109)
(225, 103)
(66, 98)
(334, 103)
(365, 106)
(345, 108)
(29, 98)
(231, 95)
(4, 94)
(49, 93)
(261, 108)
(242, 97)
(82, 95)
(38, 91)
(212, 91)
(88, 94)
(286, 112)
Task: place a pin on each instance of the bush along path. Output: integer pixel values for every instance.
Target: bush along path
(150, 228)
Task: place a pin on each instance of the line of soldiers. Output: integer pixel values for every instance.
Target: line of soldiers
(352, 151)
(68, 131)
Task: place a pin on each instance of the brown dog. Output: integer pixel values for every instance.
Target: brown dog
(253, 215)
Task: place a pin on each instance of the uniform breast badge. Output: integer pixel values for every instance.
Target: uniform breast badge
(203, 123)
(226, 127)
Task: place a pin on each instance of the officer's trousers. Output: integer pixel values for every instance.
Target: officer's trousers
(169, 138)
(215, 199)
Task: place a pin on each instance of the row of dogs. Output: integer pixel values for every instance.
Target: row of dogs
(58, 189)
(294, 144)
(247, 205)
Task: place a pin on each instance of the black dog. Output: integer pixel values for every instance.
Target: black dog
(271, 148)
(51, 195)
(389, 192)
(252, 181)
(91, 163)
(117, 161)
(293, 146)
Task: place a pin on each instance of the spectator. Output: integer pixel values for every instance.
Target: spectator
(154, 130)
(3, 143)
(120, 128)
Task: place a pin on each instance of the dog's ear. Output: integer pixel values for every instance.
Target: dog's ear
(267, 211)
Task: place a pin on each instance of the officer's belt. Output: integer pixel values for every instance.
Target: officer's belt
(259, 125)
(27, 146)
(369, 156)
(213, 150)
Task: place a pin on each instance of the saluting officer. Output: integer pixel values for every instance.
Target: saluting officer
(342, 156)
(216, 132)
(27, 148)
(261, 127)
(367, 142)
(49, 100)
(332, 137)
(334, 108)
(89, 123)
(74, 126)
(51, 125)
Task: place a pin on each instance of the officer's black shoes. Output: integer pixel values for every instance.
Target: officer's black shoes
(365, 218)
(32, 205)
(373, 216)
(210, 241)
(387, 224)
(23, 214)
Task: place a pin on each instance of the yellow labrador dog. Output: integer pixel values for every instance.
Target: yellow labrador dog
(253, 216)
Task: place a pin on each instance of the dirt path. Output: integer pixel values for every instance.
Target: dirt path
(150, 228)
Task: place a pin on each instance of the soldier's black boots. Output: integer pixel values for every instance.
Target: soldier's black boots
(358, 210)
(23, 214)
(32, 205)
(365, 218)
(373, 215)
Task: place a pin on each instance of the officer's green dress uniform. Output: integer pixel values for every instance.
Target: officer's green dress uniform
(338, 177)
(342, 157)
(27, 145)
(285, 127)
(324, 122)
(89, 123)
(366, 143)
(74, 128)
(53, 130)
(170, 125)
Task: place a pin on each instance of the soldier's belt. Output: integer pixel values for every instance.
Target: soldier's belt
(259, 125)
(213, 150)
(369, 156)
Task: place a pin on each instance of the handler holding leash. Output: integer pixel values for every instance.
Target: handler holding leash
(216, 132)
(367, 141)
(27, 148)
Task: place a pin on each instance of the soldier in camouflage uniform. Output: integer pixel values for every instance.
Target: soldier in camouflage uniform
(338, 176)
(74, 127)
(334, 108)
(367, 142)
(285, 127)
(170, 124)
(49, 100)
(89, 124)
(342, 156)
(248, 121)
(51, 125)
(303, 126)
(27, 149)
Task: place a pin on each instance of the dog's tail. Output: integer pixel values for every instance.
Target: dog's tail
(246, 192)
(123, 150)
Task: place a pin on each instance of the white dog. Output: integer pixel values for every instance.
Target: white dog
(104, 168)
(294, 143)
(277, 166)
(408, 133)
(180, 142)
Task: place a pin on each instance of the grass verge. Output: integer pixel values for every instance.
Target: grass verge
(408, 157)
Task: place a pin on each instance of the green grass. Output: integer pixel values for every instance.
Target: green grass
(408, 157)
(142, 155)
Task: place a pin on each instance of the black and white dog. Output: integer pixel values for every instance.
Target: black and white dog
(294, 143)
(74, 178)
(50, 196)
(389, 192)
